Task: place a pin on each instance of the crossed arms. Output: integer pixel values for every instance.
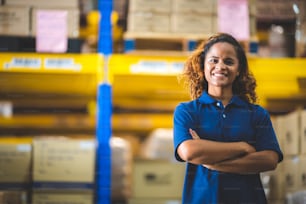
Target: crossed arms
(230, 157)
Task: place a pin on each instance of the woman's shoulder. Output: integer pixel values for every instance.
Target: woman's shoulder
(258, 109)
(193, 104)
(188, 107)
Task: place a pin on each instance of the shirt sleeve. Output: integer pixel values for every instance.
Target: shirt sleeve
(265, 135)
(183, 120)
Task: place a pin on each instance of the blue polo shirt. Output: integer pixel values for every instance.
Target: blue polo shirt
(238, 121)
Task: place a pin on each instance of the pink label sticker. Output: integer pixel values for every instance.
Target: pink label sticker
(233, 18)
(51, 31)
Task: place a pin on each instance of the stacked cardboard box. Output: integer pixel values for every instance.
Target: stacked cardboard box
(121, 168)
(157, 181)
(63, 170)
(18, 24)
(289, 177)
(149, 16)
(15, 162)
(19, 17)
(178, 16)
(15, 169)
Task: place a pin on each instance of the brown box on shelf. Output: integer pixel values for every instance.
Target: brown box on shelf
(45, 3)
(162, 177)
(278, 125)
(14, 20)
(302, 171)
(284, 179)
(290, 168)
(275, 9)
(13, 197)
(63, 163)
(73, 20)
(303, 133)
(290, 133)
(15, 163)
(193, 23)
(148, 22)
(158, 6)
(195, 6)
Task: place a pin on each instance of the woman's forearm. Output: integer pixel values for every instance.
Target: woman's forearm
(249, 164)
(200, 151)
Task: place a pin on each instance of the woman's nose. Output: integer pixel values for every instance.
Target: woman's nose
(220, 65)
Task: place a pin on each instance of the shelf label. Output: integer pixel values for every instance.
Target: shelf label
(24, 148)
(23, 63)
(157, 67)
(61, 64)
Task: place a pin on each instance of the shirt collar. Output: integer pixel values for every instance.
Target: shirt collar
(207, 99)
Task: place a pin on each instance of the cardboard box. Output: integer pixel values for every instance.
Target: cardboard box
(291, 174)
(158, 6)
(195, 6)
(291, 133)
(193, 23)
(284, 179)
(63, 163)
(278, 125)
(302, 172)
(303, 132)
(13, 197)
(45, 3)
(73, 20)
(47, 197)
(275, 9)
(157, 179)
(148, 22)
(15, 163)
(14, 20)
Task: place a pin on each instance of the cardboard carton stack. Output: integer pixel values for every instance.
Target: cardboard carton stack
(63, 169)
(289, 177)
(18, 23)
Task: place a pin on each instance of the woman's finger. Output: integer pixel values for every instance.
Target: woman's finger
(194, 134)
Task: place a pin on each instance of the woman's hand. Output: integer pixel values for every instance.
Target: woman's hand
(194, 134)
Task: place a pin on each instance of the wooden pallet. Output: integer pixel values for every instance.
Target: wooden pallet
(161, 41)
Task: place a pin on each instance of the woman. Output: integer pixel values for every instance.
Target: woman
(225, 138)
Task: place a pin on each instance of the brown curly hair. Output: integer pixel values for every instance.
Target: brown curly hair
(193, 73)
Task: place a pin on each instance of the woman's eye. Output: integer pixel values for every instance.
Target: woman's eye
(228, 62)
(215, 61)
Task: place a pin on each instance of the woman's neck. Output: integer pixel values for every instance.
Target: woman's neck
(222, 95)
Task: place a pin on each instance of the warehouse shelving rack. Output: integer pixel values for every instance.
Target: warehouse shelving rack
(137, 84)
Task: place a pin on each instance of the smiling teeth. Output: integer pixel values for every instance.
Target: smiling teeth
(218, 74)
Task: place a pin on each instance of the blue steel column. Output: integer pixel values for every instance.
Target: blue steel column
(104, 108)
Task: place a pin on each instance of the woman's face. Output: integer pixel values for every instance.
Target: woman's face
(221, 65)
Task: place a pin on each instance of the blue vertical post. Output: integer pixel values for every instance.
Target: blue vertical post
(104, 108)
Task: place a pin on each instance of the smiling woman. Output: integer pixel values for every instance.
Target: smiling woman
(225, 138)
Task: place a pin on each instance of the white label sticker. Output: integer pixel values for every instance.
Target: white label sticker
(23, 62)
(24, 148)
(157, 67)
(61, 64)
(87, 144)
